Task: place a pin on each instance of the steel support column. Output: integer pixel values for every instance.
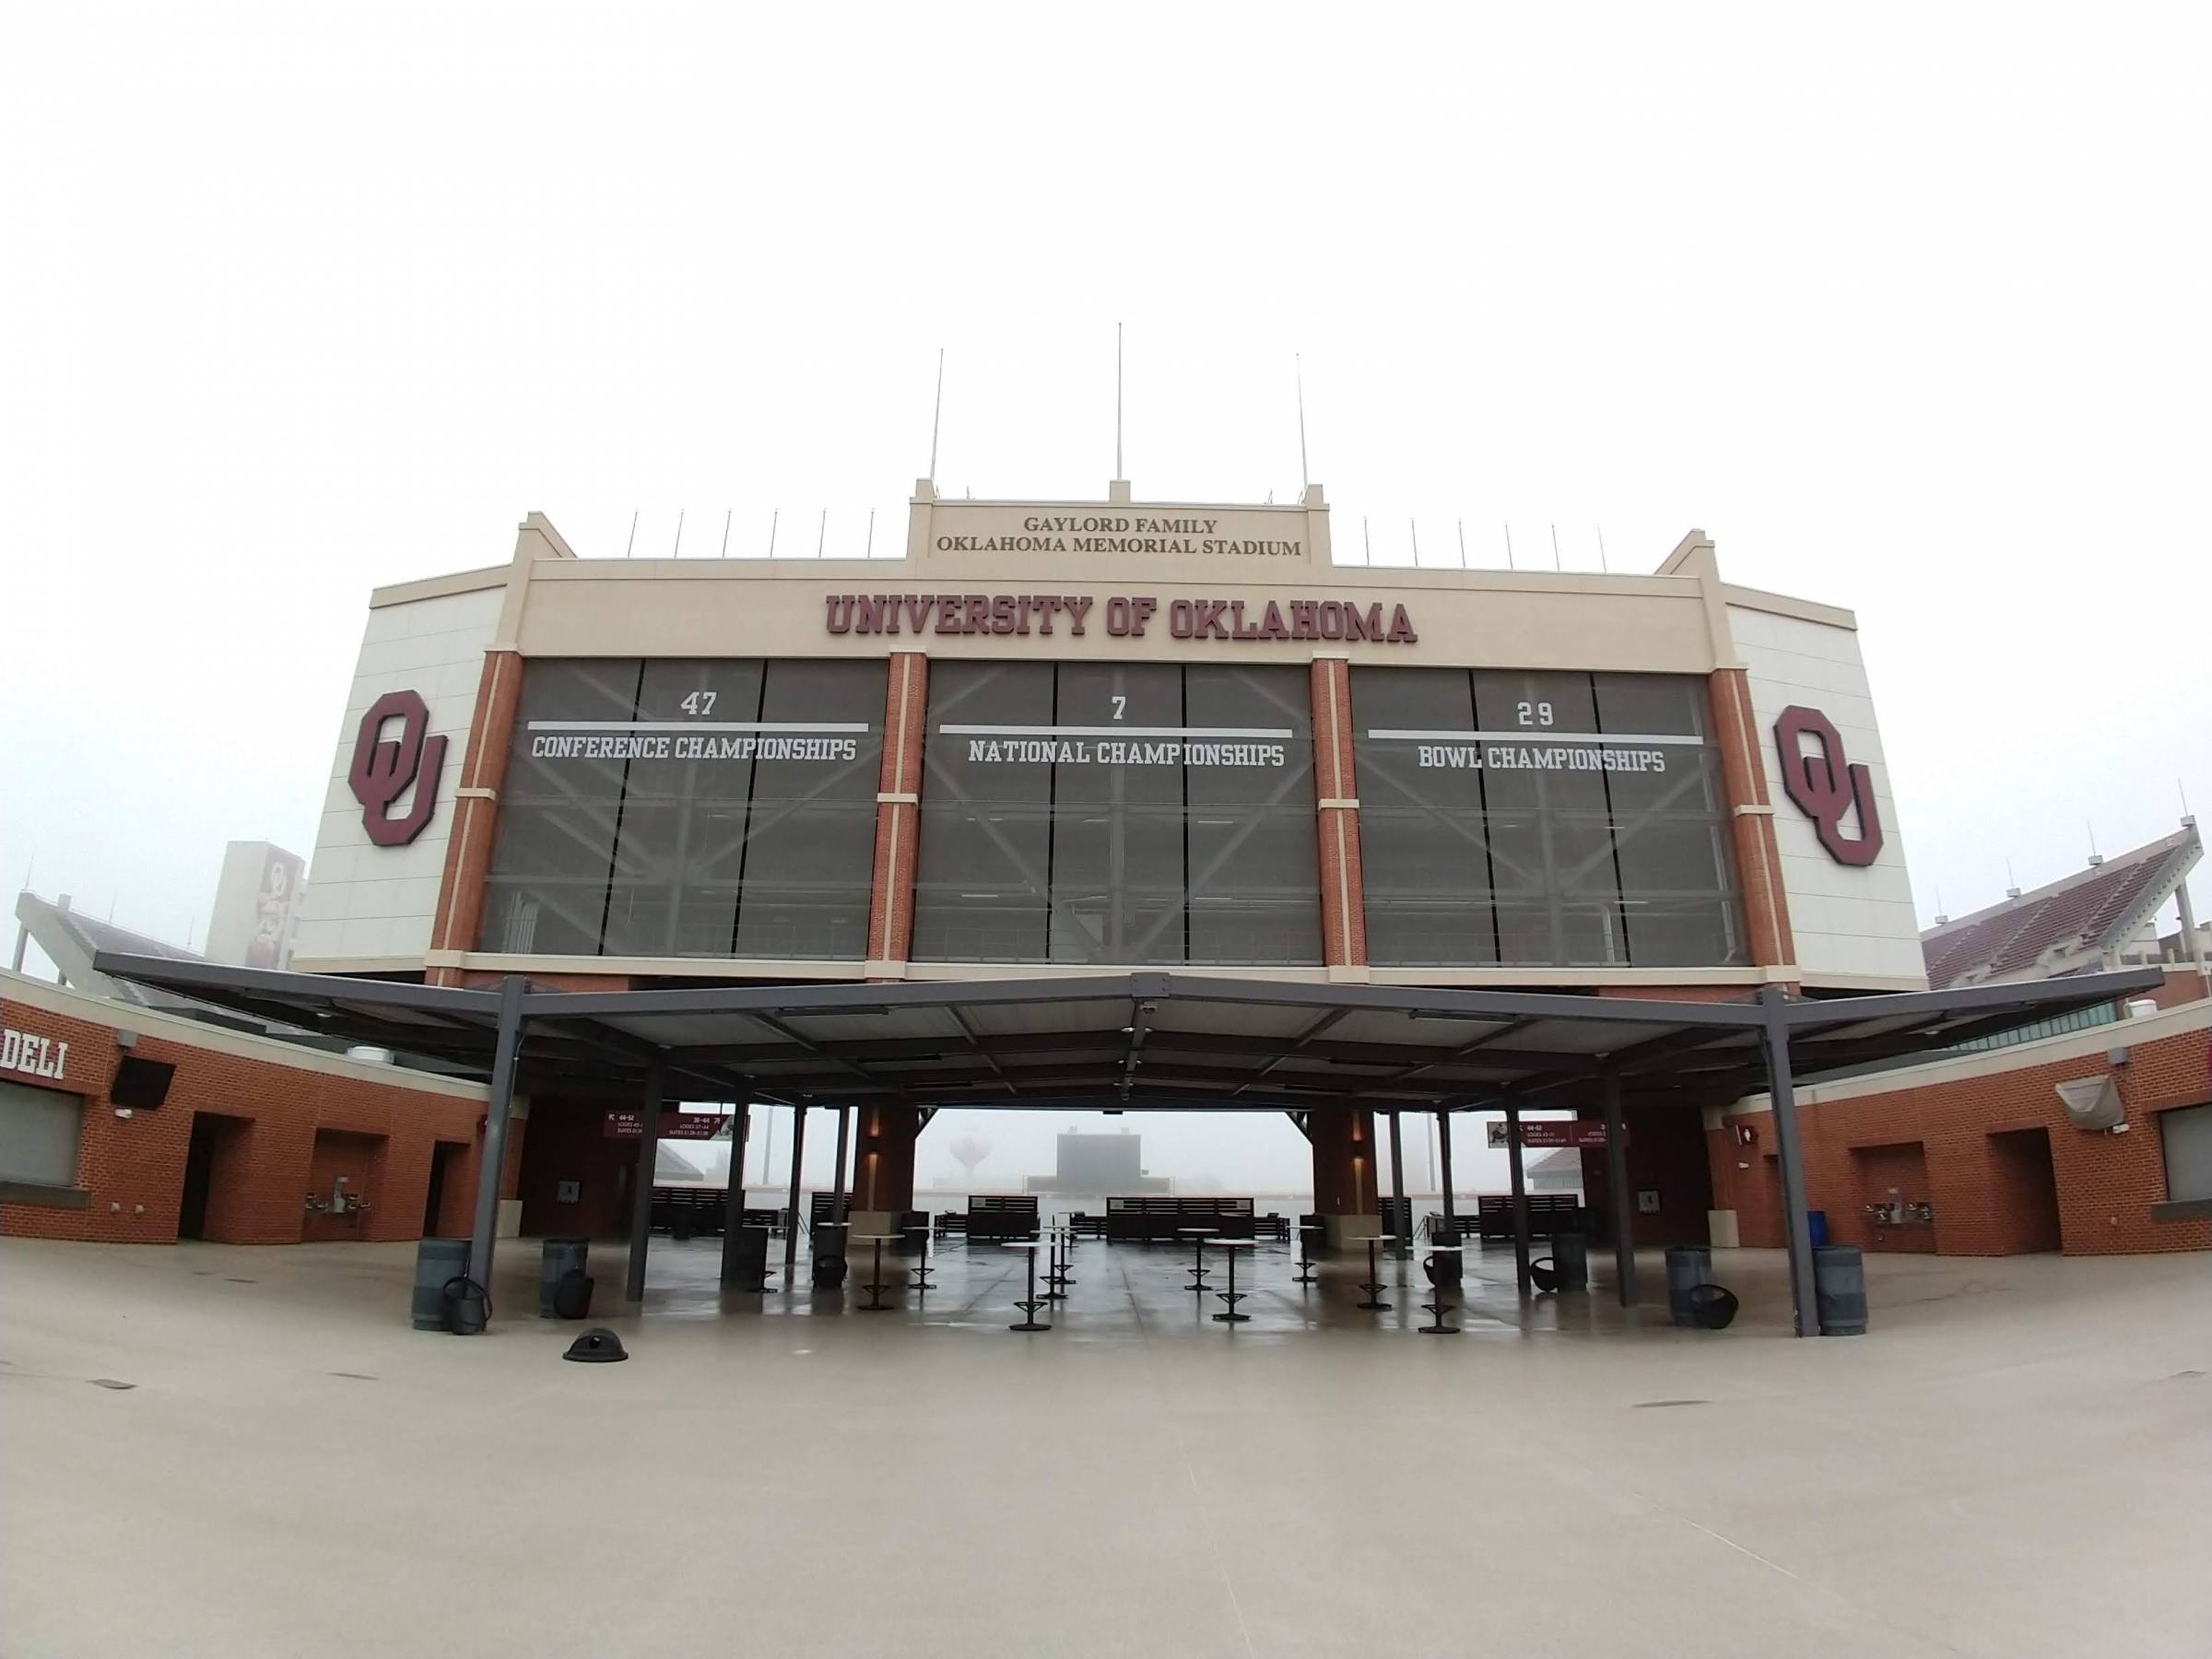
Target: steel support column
(733, 1208)
(641, 1208)
(506, 1046)
(790, 1219)
(1796, 1225)
(1624, 1202)
(1443, 1150)
(1397, 1183)
(1520, 1190)
(844, 1140)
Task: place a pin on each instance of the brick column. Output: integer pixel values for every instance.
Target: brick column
(1343, 906)
(477, 810)
(897, 817)
(1751, 820)
(1344, 1172)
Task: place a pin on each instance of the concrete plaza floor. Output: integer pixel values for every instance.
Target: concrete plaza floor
(208, 1450)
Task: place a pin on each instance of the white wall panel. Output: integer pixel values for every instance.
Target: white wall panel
(1848, 922)
(365, 901)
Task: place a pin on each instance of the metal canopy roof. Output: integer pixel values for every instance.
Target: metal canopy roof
(1173, 1041)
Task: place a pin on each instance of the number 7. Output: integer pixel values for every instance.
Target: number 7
(1120, 703)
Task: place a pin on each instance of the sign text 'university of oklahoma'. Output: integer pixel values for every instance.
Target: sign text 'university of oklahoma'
(1125, 616)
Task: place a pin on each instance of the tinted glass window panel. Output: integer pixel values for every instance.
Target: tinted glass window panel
(1117, 850)
(1254, 863)
(560, 808)
(809, 859)
(1594, 802)
(1424, 841)
(983, 869)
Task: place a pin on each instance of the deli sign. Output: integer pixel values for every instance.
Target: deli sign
(1581, 1135)
(33, 1056)
(620, 1124)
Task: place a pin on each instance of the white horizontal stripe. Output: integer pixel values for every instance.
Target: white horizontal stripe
(1615, 738)
(1112, 731)
(698, 726)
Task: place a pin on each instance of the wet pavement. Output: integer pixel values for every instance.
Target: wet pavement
(220, 1451)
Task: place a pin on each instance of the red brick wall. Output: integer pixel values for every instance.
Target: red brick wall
(475, 817)
(1982, 1188)
(1666, 1151)
(898, 823)
(1343, 894)
(568, 1141)
(1344, 1160)
(1750, 834)
(134, 1168)
(1903, 1165)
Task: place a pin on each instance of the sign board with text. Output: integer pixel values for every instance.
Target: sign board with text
(1552, 1133)
(619, 1124)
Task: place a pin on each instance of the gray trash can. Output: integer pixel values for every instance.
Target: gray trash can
(745, 1259)
(1839, 1289)
(436, 1261)
(829, 1253)
(561, 1257)
(1570, 1261)
(1688, 1266)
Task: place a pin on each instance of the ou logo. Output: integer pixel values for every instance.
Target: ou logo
(383, 768)
(1826, 787)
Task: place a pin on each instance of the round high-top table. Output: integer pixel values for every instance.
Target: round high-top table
(1029, 1320)
(1374, 1286)
(1230, 1295)
(875, 1305)
(1440, 1306)
(1198, 1237)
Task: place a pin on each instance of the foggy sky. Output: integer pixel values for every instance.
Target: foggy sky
(1904, 306)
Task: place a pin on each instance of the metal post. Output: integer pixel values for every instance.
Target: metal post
(1796, 1225)
(1519, 1189)
(649, 1147)
(790, 1219)
(1398, 1183)
(844, 1137)
(733, 1207)
(1443, 1148)
(1624, 1203)
(508, 1043)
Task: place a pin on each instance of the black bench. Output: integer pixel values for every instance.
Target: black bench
(995, 1221)
(1550, 1214)
(1157, 1219)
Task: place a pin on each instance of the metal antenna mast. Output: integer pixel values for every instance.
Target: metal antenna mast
(937, 415)
(726, 530)
(677, 551)
(1117, 402)
(1298, 368)
(1602, 563)
(630, 547)
(1555, 549)
(1509, 548)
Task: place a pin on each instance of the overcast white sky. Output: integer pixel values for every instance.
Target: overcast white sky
(1905, 306)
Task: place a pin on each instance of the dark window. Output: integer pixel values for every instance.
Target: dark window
(38, 1131)
(677, 809)
(2185, 1135)
(1127, 814)
(1541, 819)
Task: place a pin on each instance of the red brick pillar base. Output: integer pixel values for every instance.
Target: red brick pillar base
(1345, 1173)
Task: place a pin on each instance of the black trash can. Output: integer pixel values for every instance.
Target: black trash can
(1312, 1238)
(1570, 1261)
(745, 1259)
(561, 1258)
(1839, 1289)
(1688, 1266)
(830, 1254)
(436, 1261)
(1442, 1266)
(466, 1307)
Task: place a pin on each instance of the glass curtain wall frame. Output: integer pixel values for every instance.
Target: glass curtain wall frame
(688, 808)
(1512, 818)
(1132, 814)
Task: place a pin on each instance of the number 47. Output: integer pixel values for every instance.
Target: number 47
(699, 702)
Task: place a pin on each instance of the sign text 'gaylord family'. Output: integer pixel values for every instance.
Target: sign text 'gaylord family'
(1123, 616)
(1120, 533)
